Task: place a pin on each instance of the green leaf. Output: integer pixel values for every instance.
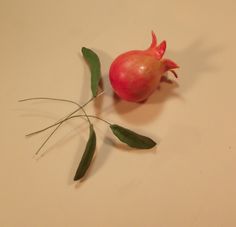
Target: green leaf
(131, 138)
(87, 156)
(95, 68)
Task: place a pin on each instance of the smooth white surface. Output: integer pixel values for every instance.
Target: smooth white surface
(189, 180)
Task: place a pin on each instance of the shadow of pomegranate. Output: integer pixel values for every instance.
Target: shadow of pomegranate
(140, 113)
(194, 60)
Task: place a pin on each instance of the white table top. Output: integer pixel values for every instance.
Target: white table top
(187, 180)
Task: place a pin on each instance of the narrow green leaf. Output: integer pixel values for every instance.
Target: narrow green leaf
(95, 68)
(131, 138)
(87, 156)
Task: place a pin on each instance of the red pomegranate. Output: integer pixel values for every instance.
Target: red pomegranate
(136, 74)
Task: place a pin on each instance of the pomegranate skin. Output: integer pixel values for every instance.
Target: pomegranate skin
(136, 74)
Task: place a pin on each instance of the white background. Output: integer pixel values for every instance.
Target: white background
(187, 180)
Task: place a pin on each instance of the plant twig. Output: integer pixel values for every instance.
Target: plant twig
(60, 123)
(66, 119)
(46, 98)
(56, 99)
(80, 107)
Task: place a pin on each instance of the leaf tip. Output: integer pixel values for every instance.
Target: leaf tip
(83, 49)
(77, 177)
(153, 144)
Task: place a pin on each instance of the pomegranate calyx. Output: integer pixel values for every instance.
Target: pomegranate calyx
(160, 49)
(169, 65)
(154, 41)
(155, 49)
(174, 73)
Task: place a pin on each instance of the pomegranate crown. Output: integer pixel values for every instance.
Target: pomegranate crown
(159, 51)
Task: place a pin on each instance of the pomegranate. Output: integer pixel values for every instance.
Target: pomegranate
(136, 74)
